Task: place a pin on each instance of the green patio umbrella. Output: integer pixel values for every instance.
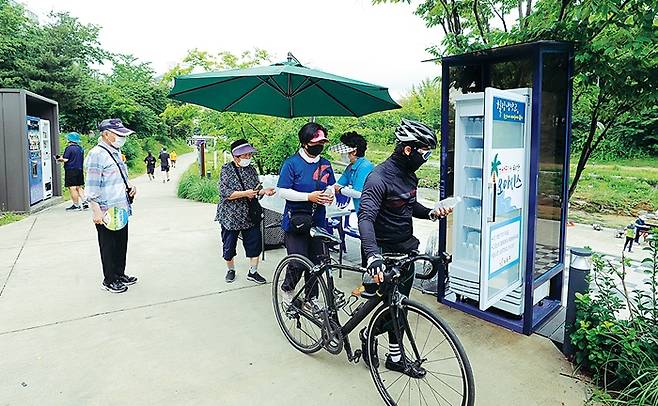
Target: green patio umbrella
(285, 89)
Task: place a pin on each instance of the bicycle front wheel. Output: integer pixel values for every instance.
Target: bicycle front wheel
(299, 298)
(432, 369)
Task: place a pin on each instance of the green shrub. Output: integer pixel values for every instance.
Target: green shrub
(193, 187)
(620, 353)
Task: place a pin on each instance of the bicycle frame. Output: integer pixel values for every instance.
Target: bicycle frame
(391, 299)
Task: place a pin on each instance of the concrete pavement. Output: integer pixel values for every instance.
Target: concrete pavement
(182, 336)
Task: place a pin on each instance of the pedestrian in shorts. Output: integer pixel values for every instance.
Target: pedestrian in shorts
(74, 179)
(172, 158)
(164, 164)
(150, 165)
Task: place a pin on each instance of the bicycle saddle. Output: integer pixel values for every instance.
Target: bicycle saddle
(319, 232)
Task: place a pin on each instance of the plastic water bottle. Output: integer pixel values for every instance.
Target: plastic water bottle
(329, 191)
(367, 278)
(448, 203)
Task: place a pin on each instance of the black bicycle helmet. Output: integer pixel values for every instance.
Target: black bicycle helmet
(415, 133)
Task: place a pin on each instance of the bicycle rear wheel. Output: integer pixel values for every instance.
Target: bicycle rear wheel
(298, 308)
(430, 345)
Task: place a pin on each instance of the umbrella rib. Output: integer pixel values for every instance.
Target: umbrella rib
(336, 100)
(294, 92)
(171, 95)
(301, 87)
(349, 87)
(273, 85)
(239, 99)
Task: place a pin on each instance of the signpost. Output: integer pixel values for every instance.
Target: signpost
(200, 141)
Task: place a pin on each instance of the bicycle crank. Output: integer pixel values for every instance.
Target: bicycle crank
(332, 338)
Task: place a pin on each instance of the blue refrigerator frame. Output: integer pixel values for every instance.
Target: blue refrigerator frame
(533, 315)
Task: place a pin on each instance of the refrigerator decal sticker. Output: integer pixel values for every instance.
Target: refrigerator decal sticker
(505, 246)
(508, 110)
(508, 180)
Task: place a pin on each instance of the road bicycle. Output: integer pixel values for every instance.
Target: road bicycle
(435, 369)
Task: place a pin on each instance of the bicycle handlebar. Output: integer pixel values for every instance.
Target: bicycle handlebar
(397, 261)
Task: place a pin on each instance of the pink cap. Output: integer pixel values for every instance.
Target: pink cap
(319, 136)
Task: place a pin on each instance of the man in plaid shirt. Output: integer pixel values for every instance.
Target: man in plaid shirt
(106, 188)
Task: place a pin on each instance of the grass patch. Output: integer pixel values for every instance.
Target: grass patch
(7, 218)
(193, 187)
(622, 188)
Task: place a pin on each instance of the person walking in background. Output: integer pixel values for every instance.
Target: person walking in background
(150, 165)
(74, 179)
(107, 187)
(239, 188)
(172, 158)
(640, 228)
(164, 164)
(630, 237)
(306, 183)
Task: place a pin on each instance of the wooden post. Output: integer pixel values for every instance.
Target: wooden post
(203, 159)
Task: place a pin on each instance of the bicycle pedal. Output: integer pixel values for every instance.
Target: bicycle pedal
(356, 357)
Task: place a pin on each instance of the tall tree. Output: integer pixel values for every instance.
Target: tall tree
(616, 57)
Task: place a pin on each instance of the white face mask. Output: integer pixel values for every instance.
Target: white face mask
(119, 141)
(244, 162)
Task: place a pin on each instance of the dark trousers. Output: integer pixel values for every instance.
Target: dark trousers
(309, 247)
(385, 323)
(629, 243)
(113, 246)
(252, 240)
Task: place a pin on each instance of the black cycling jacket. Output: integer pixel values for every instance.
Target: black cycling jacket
(388, 204)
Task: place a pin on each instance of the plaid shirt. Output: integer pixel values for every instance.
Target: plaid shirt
(103, 182)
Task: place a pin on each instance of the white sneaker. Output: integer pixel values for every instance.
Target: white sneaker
(313, 307)
(287, 296)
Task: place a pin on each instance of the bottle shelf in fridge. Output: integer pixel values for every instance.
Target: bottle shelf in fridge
(474, 157)
(474, 126)
(473, 186)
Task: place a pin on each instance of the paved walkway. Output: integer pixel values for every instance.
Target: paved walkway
(610, 247)
(181, 336)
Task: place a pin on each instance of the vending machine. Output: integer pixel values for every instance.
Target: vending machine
(492, 152)
(34, 162)
(46, 159)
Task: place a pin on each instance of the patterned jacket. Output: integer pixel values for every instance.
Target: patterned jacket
(234, 214)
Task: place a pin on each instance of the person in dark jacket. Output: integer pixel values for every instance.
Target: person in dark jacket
(388, 205)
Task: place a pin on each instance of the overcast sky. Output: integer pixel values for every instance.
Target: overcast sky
(382, 44)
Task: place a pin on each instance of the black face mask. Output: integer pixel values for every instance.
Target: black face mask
(412, 162)
(314, 150)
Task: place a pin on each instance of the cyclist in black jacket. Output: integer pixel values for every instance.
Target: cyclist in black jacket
(388, 205)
